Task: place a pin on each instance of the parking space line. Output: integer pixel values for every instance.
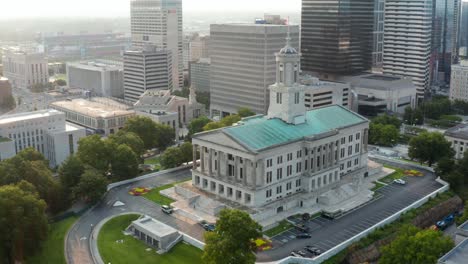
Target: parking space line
(362, 226)
(329, 243)
(355, 229)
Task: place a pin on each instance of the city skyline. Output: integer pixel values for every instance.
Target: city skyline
(111, 8)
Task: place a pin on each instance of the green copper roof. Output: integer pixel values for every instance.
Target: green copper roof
(260, 132)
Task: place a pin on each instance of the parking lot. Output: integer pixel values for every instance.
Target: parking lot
(327, 233)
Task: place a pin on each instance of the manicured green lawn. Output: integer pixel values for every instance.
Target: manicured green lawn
(156, 197)
(398, 174)
(156, 161)
(377, 186)
(283, 226)
(52, 251)
(134, 251)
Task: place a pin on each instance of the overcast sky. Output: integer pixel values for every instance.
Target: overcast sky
(109, 8)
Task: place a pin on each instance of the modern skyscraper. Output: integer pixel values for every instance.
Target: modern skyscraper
(159, 23)
(337, 36)
(243, 65)
(459, 83)
(463, 36)
(146, 69)
(445, 37)
(407, 41)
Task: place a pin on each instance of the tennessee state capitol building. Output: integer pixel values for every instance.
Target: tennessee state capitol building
(288, 159)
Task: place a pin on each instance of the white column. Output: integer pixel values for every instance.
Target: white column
(202, 159)
(194, 165)
(244, 172)
(210, 163)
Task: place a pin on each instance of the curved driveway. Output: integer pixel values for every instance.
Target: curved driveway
(77, 249)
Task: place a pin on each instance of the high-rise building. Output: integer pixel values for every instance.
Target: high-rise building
(459, 82)
(5, 90)
(25, 69)
(199, 48)
(337, 36)
(377, 44)
(159, 23)
(243, 65)
(407, 41)
(463, 36)
(146, 69)
(102, 78)
(200, 75)
(445, 37)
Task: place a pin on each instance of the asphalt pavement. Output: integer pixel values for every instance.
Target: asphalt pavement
(327, 233)
(77, 242)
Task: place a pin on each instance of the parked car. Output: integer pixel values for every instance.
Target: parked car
(314, 250)
(207, 226)
(399, 181)
(301, 253)
(295, 254)
(446, 222)
(304, 235)
(302, 227)
(167, 209)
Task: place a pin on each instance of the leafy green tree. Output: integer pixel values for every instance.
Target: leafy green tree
(95, 152)
(415, 246)
(31, 154)
(231, 243)
(186, 151)
(230, 120)
(212, 126)
(91, 187)
(383, 135)
(70, 173)
(413, 116)
(445, 166)
(124, 163)
(60, 82)
(23, 222)
(164, 137)
(387, 120)
(171, 158)
(37, 173)
(130, 139)
(245, 112)
(8, 103)
(429, 147)
(197, 125)
(145, 128)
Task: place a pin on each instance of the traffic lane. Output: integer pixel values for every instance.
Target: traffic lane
(339, 230)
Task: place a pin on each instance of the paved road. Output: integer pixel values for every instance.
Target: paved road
(328, 233)
(77, 243)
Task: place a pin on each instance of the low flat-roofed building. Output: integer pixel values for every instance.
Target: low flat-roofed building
(102, 115)
(458, 136)
(320, 93)
(458, 255)
(163, 117)
(379, 93)
(154, 233)
(46, 131)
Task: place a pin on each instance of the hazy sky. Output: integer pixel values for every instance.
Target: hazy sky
(108, 8)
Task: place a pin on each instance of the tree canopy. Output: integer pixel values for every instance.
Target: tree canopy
(91, 187)
(70, 174)
(416, 246)
(383, 135)
(124, 163)
(387, 120)
(245, 112)
(152, 134)
(23, 222)
(231, 242)
(225, 122)
(130, 139)
(197, 124)
(429, 147)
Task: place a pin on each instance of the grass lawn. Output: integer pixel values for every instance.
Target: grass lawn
(398, 174)
(156, 161)
(156, 197)
(52, 250)
(377, 186)
(283, 226)
(134, 251)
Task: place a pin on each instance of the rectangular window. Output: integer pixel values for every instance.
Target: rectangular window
(279, 174)
(358, 136)
(343, 140)
(296, 98)
(289, 170)
(279, 189)
(290, 156)
(279, 98)
(280, 160)
(299, 153)
(298, 183)
(288, 186)
(269, 177)
(356, 162)
(269, 163)
(350, 150)
(350, 138)
(357, 148)
(298, 167)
